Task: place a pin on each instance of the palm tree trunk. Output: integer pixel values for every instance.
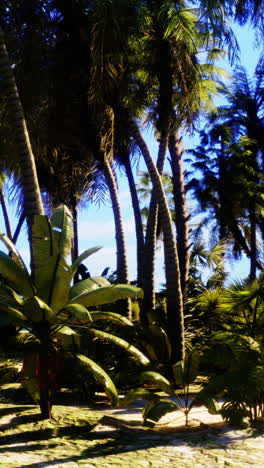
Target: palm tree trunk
(122, 263)
(181, 213)
(253, 240)
(32, 196)
(148, 280)
(5, 215)
(175, 319)
(75, 246)
(137, 217)
(19, 226)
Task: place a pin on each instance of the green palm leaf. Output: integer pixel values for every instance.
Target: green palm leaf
(15, 315)
(83, 256)
(158, 380)
(15, 255)
(108, 294)
(61, 223)
(16, 277)
(37, 310)
(155, 411)
(121, 343)
(115, 318)
(139, 394)
(88, 285)
(101, 376)
(79, 312)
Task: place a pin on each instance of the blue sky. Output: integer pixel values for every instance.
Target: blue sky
(96, 226)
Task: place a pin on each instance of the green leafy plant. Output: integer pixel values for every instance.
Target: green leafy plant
(240, 378)
(185, 373)
(53, 310)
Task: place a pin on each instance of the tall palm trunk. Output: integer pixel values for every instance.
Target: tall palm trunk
(137, 217)
(19, 226)
(122, 263)
(148, 280)
(181, 213)
(5, 214)
(253, 240)
(32, 196)
(175, 320)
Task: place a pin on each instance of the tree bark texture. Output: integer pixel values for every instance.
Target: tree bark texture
(32, 195)
(121, 251)
(181, 213)
(175, 320)
(148, 280)
(5, 215)
(138, 219)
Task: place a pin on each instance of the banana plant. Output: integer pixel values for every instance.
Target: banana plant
(185, 373)
(53, 310)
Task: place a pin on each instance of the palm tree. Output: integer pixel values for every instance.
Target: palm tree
(32, 196)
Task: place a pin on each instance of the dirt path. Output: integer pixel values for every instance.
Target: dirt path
(80, 437)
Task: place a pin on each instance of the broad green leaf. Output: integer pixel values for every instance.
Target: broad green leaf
(158, 380)
(15, 255)
(16, 316)
(139, 394)
(87, 285)
(83, 256)
(68, 338)
(101, 376)
(178, 371)
(236, 342)
(156, 411)
(107, 295)
(61, 223)
(191, 366)
(15, 276)
(10, 296)
(209, 402)
(61, 286)
(122, 343)
(37, 310)
(116, 318)
(79, 312)
(160, 342)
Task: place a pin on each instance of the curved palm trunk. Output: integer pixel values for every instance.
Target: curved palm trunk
(32, 196)
(148, 280)
(175, 319)
(122, 263)
(138, 219)
(5, 215)
(182, 216)
(253, 240)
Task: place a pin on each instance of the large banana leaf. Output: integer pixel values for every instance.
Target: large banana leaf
(121, 343)
(10, 296)
(116, 318)
(79, 313)
(139, 394)
(15, 255)
(15, 276)
(61, 223)
(158, 380)
(15, 315)
(108, 294)
(101, 376)
(87, 285)
(154, 412)
(60, 286)
(68, 338)
(185, 372)
(37, 310)
(83, 256)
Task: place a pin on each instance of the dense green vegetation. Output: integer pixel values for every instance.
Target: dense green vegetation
(78, 80)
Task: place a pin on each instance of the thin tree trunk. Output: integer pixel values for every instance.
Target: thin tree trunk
(181, 213)
(122, 263)
(32, 196)
(253, 240)
(138, 219)
(19, 226)
(148, 281)
(175, 319)
(75, 246)
(5, 215)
